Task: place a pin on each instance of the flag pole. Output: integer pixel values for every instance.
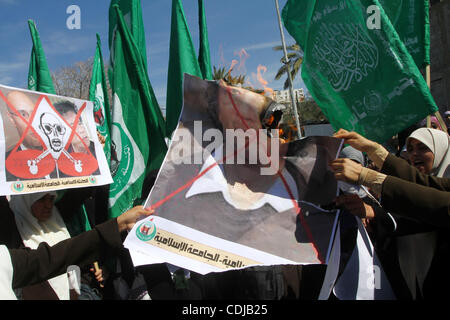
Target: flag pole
(286, 62)
(437, 114)
(428, 80)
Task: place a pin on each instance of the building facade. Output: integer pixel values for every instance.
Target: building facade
(284, 96)
(439, 53)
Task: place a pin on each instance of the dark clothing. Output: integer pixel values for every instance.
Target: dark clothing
(34, 266)
(9, 234)
(398, 167)
(416, 202)
(421, 205)
(414, 195)
(94, 199)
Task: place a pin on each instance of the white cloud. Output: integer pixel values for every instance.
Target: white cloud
(262, 45)
(14, 71)
(157, 48)
(9, 2)
(11, 67)
(60, 43)
(7, 81)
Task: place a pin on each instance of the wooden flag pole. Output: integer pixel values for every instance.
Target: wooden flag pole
(437, 114)
(428, 79)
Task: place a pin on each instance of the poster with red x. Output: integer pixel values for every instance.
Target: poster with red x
(48, 142)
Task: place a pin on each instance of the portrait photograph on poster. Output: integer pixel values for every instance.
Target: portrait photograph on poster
(50, 143)
(231, 193)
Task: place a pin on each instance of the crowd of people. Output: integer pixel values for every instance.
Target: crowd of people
(402, 197)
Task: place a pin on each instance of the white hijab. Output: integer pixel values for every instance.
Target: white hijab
(439, 143)
(34, 232)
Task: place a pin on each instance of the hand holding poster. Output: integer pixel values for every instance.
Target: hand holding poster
(231, 194)
(48, 143)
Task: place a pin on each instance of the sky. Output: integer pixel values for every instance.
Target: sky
(233, 25)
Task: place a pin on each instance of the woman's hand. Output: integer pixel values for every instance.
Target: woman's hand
(98, 273)
(346, 170)
(101, 139)
(354, 204)
(127, 219)
(356, 140)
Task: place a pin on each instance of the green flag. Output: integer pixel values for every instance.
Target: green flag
(39, 78)
(363, 79)
(410, 19)
(98, 94)
(137, 139)
(204, 58)
(132, 14)
(182, 59)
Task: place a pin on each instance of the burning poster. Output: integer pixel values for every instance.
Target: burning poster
(231, 193)
(48, 142)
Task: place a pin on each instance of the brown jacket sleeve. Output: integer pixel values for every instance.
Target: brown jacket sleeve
(415, 201)
(397, 167)
(34, 266)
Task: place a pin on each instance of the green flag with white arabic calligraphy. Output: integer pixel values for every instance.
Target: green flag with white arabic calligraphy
(39, 78)
(410, 19)
(363, 79)
(137, 137)
(98, 94)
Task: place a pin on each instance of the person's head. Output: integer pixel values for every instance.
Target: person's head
(353, 154)
(244, 110)
(236, 108)
(250, 105)
(24, 106)
(42, 208)
(434, 123)
(356, 156)
(428, 150)
(68, 111)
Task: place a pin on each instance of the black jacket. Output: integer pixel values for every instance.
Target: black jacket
(414, 195)
(34, 266)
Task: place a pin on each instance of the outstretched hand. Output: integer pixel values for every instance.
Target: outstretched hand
(356, 206)
(101, 139)
(127, 220)
(356, 140)
(346, 170)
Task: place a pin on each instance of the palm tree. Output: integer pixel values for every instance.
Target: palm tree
(222, 73)
(295, 58)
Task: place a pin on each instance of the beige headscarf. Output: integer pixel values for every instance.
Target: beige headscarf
(439, 143)
(34, 232)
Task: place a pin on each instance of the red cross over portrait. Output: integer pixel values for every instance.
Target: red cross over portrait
(53, 141)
